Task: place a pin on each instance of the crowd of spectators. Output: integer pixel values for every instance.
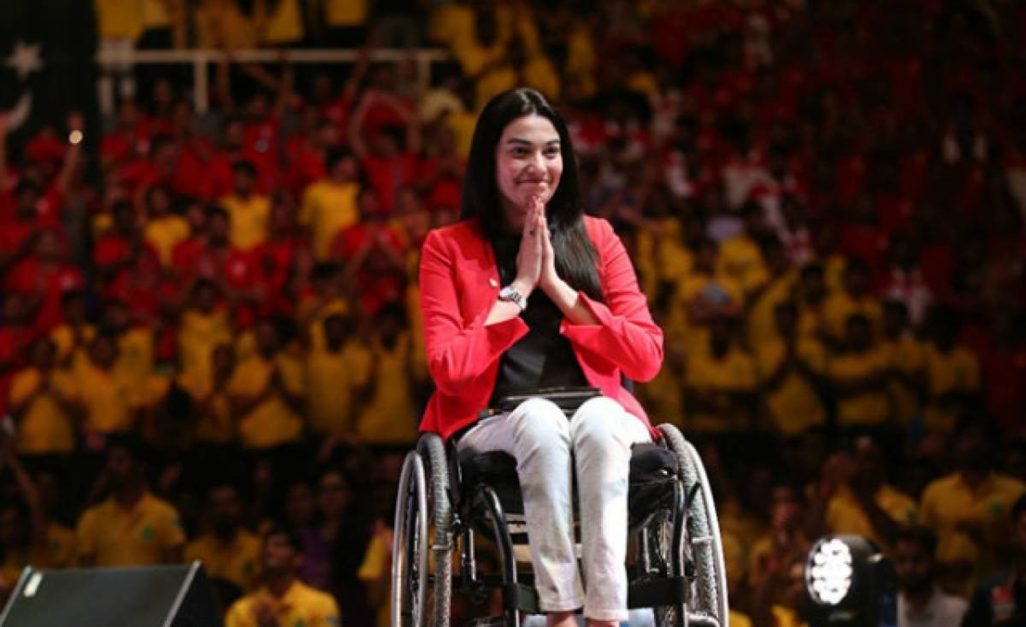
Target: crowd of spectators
(825, 202)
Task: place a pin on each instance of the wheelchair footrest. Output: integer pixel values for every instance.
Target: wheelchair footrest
(657, 591)
(520, 596)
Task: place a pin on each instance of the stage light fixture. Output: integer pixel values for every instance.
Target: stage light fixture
(849, 582)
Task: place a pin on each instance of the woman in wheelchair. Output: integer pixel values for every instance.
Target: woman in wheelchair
(524, 294)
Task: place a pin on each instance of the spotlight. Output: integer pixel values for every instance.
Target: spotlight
(849, 582)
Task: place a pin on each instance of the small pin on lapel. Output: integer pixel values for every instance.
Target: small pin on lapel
(493, 282)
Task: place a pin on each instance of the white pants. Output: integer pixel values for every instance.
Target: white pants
(597, 440)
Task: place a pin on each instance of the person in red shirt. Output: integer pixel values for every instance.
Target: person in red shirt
(336, 109)
(115, 250)
(862, 236)
(46, 275)
(211, 256)
(390, 164)
(305, 150)
(373, 255)
(129, 139)
(440, 173)
(16, 335)
(158, 168)
(18, 234)
(282, 257)
(388, 145)
(194, 152)
(219, 179)
(522, 177)
(185, 252)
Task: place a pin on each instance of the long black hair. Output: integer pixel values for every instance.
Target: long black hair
(575, 254)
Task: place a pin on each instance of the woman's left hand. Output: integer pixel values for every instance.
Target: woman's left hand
(548, 278)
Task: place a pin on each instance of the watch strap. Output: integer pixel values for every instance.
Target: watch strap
(511, 294)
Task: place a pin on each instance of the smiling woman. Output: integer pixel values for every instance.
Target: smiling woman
(569, 314)
(528, 165)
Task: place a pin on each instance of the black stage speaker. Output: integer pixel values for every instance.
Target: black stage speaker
(148, 596)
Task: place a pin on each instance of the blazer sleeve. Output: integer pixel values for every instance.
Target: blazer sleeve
(457, 352)
(625, 333)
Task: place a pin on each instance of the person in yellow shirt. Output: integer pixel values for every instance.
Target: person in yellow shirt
(329, 205)
(661, 396)
(120, 22)
(740, 256)
(376, 570)
(102, 396)
(660, 255)
(163, 24)
(212, 405)
(906, 361)
(283, 599)
(227, 549)
(346, 22)
(163, 229)
(789, 368)
(855, 298)
(39, 404)
(811, 297)
(327, 296)
(857, 375)
(389, 415)
(267, 391)
(71, 337)
(969, 510)
(221, 24)
(854, 497)
(203, 325)
(280, 22)
(248, 211)
(720, 384)
(781, 598)
(336, 377)
(134, 365)
(131, 527)
(779, 287)
(702, 295)
(735, 560)
(952, 374)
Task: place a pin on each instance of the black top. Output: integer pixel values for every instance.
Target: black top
(542, 358)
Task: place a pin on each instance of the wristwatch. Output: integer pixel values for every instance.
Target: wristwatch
(511, 295)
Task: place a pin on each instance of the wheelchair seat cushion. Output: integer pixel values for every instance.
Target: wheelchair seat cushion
(653, 471)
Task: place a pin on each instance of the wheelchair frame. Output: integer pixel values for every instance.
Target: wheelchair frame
(678, 568)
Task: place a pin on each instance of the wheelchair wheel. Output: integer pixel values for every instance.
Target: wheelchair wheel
(702, 547)
(422, 546)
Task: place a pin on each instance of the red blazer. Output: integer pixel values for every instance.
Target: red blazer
(459, 283)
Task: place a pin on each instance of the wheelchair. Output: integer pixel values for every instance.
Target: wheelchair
(675, 556)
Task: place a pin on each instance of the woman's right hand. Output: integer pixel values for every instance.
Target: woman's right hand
(529, 259)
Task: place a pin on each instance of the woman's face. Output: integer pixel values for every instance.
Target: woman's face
(528, 162)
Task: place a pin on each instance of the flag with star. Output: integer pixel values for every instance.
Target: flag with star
(47, 63)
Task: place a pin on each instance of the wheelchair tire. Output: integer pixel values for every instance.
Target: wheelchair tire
(703, 546)
(432, 447)
(420, 597)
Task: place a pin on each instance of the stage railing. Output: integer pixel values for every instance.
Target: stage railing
(113, 62)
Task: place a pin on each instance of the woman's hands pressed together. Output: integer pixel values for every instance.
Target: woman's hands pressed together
(530, 259)
(536, 266)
